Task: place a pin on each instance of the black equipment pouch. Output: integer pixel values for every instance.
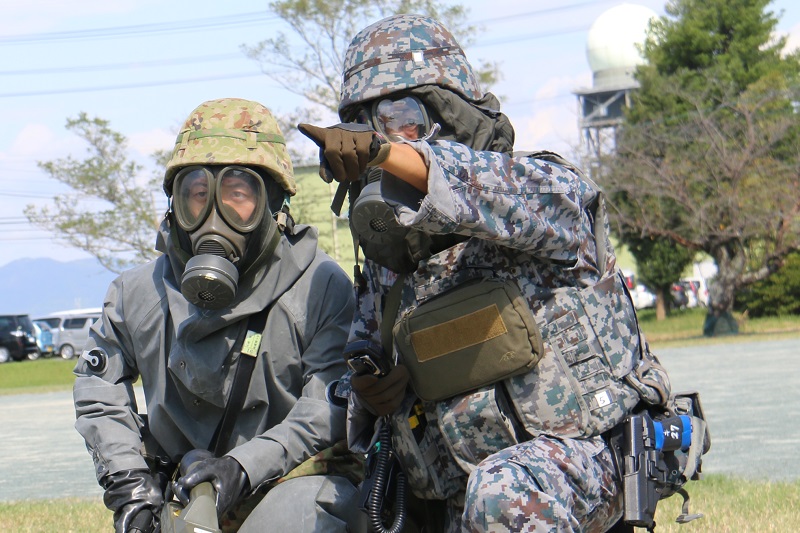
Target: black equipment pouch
(657, 452)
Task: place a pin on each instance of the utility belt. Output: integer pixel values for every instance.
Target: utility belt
(574, 367)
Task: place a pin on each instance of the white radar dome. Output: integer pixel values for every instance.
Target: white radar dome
(611, 46)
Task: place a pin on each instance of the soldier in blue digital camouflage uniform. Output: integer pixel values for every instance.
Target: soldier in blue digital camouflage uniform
(177, 325)
(522, 449)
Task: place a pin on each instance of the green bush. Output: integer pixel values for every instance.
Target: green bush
(778, 295)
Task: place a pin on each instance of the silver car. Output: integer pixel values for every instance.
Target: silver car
(70, 329)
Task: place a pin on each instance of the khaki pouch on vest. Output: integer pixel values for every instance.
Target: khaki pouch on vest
(471, 336)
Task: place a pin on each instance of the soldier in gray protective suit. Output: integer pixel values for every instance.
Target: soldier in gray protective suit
(178, 326)
(490, 283)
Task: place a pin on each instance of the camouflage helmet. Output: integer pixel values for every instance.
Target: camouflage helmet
(232, 131)
(402, 52)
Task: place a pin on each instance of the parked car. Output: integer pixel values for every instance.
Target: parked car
(44, 337)
(17, 340)
(680, 296)
(642, 297)
(698, 287)
(71, 329)
(640, 294)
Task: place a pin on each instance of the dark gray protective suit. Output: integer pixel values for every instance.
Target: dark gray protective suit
(181, 355)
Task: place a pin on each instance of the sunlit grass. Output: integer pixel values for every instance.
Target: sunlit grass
(62, 515)
(42, 375)
(729, 505)
(734, 506)
(684, 327)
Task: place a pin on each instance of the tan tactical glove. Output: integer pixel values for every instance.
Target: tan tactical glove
(381, 396)
(346, 149)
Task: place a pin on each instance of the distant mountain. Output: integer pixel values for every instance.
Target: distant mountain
(41, 286)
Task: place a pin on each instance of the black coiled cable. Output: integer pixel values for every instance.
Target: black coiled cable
(376, 496)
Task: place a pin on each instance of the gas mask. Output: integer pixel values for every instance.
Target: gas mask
(373, 222)
(218, 208)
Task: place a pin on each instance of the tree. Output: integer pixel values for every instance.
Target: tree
(778, 295)
(660, 264)
(113, 213)
(708, 156)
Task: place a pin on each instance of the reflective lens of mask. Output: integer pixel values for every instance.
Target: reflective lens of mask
(404, 118)
(237, 192)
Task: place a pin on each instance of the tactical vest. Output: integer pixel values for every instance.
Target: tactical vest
(593, 370)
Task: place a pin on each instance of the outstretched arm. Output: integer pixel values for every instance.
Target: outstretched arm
(407, 164)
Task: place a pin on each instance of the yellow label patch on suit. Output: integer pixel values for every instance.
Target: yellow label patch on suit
(251, 343)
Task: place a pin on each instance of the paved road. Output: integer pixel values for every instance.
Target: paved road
(751, 398)
(750, 393)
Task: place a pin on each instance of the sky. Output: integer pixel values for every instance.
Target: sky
(144, 65)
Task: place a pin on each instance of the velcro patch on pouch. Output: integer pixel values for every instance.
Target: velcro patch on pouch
(473, 335)
(459, 333)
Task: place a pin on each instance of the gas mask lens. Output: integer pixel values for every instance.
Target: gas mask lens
(238, 193)
(401, 118)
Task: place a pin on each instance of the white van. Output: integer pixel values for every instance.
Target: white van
(71, 329)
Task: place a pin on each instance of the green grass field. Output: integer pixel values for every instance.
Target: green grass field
(729, 506)
(685, 327)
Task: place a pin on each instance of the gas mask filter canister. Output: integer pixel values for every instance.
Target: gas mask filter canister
(374, 222)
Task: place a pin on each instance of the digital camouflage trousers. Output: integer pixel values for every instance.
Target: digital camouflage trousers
(544, 485)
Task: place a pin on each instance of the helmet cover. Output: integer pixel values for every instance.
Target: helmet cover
(402, 52)
(232, 131)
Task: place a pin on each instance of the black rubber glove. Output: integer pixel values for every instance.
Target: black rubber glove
(135, 498)
(346, 149)
(225, 474)
(381, 396)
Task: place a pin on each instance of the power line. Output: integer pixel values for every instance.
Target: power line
(4, 238)
(123, 66)
(241, 75)
(131, 85)
(203, 24)
(26, 195)
(568, 7)
(241, 19)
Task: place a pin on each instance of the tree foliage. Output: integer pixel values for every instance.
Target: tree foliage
(112, 213)
(777, 295)
(660, 264)
(708, 157)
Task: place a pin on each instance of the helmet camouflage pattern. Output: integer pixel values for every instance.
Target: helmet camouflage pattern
(232, 131)
(401, 52)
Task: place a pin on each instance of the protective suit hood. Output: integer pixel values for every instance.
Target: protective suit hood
(203, 346)
(478, 124)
